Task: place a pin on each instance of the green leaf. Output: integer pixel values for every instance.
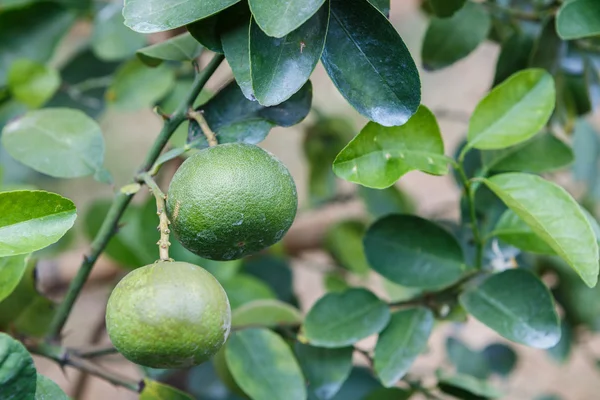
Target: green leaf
(149, 16)
(389, 394)
(268, 313)
(325, 369)
(360, 383)
(32, 83)
(511, 229)
(243, 288)
(465, 387)
(542, 153)
(111, 39)
(32, 220)
(59, 142)
(514, 56)
(369, 63)
(234, 29)
(553, 215)
(335, 282)
(17, 372)
(136, 86)
(344, 242)
(322, 142)
(206, 30)
(586, 146)
(466, 360)
(234, 118)
(578, 19)
(264, 366)
(382, 202)
(378, 156)
(279, 67)
(342, 319)
(451, 39)
(154, 390)
(401, 342)
(34, 31)
(275, 271)
(414, 252)
(446, 8)
(46, 389)
(179, 48)
(513, 111)
(501, 358)
(11, 272)
(280, 17)
(503, 303)
(548, 49)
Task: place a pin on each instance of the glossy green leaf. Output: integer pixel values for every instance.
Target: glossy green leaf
(111, 39)
(382, 5)
(46, 389)
(446, 8)
(149, 16)
(275, 270)
(542, 153)
(501, 359)
(360, 383)
(234, 30)
(32, 83)
(153, 390)
(324, 369)
(34, 31)
(548, 49)
(382, 202)
(514, 56)
(378, 156)
(513, 111)
(389, 394)
(401, 342)
(503, 303)
(206, 31)
(466, 387)
(323, 140)
(179, 48)
(279, 67)
(32, 220)
(243, 288)
(553, 215)
(234, 118)
(342, 319)
(59, 142)
(136, 86)
(369, 63)
(466, 360)
(268, 313)
(578, 19)
(264, 366)
(414, 252)
(344, 241)
(11, 272)
(278, 18)
(448, 40)
(511, 229)
(17, 372)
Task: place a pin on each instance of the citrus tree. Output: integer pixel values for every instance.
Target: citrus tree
(209, 295)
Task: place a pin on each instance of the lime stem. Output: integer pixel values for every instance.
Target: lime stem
(163, 220)
(122, 199)
(197, 116)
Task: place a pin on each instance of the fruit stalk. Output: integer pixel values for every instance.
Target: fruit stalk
(161, 210)
(122, 199)
(197, 116)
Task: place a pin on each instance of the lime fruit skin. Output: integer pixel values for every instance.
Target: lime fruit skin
(168, 315)
(231, 200)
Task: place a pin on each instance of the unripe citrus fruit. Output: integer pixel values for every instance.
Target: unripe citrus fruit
(168, 315)
(231, 200)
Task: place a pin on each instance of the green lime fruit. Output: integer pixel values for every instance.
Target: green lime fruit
(231, 200)
(168, 315)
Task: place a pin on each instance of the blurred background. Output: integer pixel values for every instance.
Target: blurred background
(571, 372)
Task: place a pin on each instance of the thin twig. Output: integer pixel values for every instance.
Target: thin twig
(122, 200)
(64, 358)
(97, 353)
(163, 224)
(197, 116)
